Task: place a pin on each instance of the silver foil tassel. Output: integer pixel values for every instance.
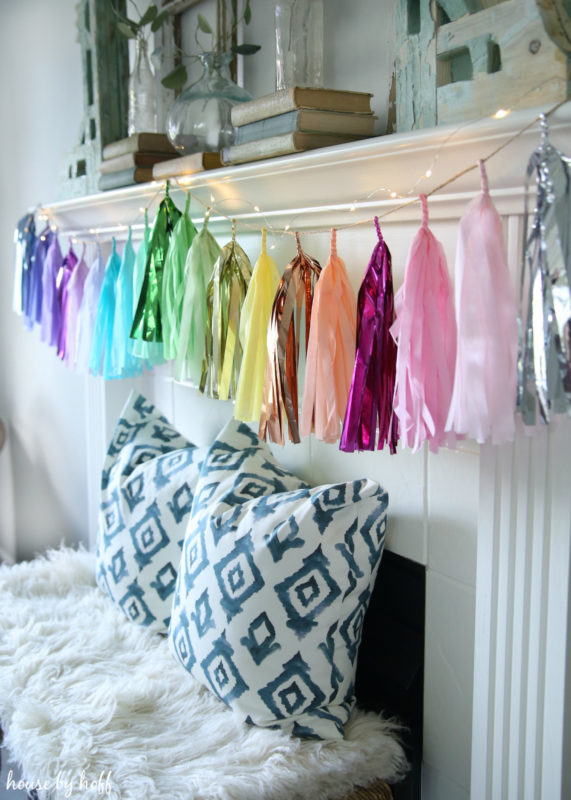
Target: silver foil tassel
(544, 358)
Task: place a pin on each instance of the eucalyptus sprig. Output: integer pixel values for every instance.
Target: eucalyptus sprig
(179, 76)
(151, 19)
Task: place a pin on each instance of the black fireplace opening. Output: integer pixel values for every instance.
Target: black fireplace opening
(390, 669)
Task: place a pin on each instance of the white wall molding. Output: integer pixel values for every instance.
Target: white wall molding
(337, 185)
(522, 606)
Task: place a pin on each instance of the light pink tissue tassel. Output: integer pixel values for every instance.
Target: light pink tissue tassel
(330, 351)
(484, 394)
(425, 331)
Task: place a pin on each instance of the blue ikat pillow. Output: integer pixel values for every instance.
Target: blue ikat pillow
(147, 488)
(273, 586)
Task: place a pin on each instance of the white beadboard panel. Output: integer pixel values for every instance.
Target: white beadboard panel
(438, 786)
(453, 493)
(197, 417)
(402, 475)
(557, 623)
(522, 613)
(296, 458)
(448, 677)
(104, 401)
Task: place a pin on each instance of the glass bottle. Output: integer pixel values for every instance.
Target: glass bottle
(299, 43)
(199, 120)
(142, 114)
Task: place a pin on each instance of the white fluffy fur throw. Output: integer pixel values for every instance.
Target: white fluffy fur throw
(93, 706)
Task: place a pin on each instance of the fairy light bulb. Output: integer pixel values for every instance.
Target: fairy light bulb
(428, 173)
(501, 113)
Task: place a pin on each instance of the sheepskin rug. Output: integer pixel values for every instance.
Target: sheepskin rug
(94, 706)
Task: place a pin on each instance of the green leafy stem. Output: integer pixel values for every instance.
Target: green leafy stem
(153, 20)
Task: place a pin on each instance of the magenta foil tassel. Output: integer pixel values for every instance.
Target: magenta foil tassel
(370, 400)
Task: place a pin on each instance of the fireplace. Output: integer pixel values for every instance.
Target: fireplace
(390, 670)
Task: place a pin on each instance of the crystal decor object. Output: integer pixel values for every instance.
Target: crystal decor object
(199, 120)
(299, 43)
(142, 114)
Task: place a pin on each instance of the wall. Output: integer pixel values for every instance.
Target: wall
(41, 101)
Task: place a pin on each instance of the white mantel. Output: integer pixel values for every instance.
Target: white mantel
(495, 674)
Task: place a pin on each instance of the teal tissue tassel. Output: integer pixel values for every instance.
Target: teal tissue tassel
(100, 361)
(123, 362)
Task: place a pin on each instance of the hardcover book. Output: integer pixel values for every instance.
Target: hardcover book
(125, 177)
(140, 142)
(300, 97)
(133, 160)
(309, 121)
(281, 145)
(186, 165)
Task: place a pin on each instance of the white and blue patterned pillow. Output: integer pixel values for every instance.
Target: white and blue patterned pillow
(274, 582)
(147, 488)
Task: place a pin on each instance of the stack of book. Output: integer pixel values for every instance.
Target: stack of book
(131, 160)
(186, 165)
(296, 119)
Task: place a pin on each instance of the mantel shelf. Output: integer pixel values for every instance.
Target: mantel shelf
(342, 184)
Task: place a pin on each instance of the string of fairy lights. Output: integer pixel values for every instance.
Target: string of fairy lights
(215, 212)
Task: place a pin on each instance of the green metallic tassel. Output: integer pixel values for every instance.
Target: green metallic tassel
(147, 324)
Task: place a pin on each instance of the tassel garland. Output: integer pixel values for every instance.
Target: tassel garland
(425, 330)
(173, 281)
(225, 294)
(253, 328)
(23, 266)
(64, 275)
(147, 324)
(123, 363)
(416, 364)
(191, 348)
(50, 304)
(100, 362)
(330, 352)
(371, 395)
(293, 297)
(544, 358)
(483, 397)
(75, 289)
(88, 312)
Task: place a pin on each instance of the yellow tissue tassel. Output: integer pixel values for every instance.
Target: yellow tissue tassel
(253, 335)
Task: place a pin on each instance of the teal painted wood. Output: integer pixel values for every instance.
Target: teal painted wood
(556, 17)
(105, 66)
(457, 8)
(415, 66)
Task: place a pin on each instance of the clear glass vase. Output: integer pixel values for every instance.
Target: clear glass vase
(299, 43)
(199, 120)
(142, 115)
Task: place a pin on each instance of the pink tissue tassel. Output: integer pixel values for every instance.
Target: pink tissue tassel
(425, 331)
(330, 351)
(484, 394)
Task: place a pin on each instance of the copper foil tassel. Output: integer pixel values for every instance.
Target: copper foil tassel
(293, 297)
